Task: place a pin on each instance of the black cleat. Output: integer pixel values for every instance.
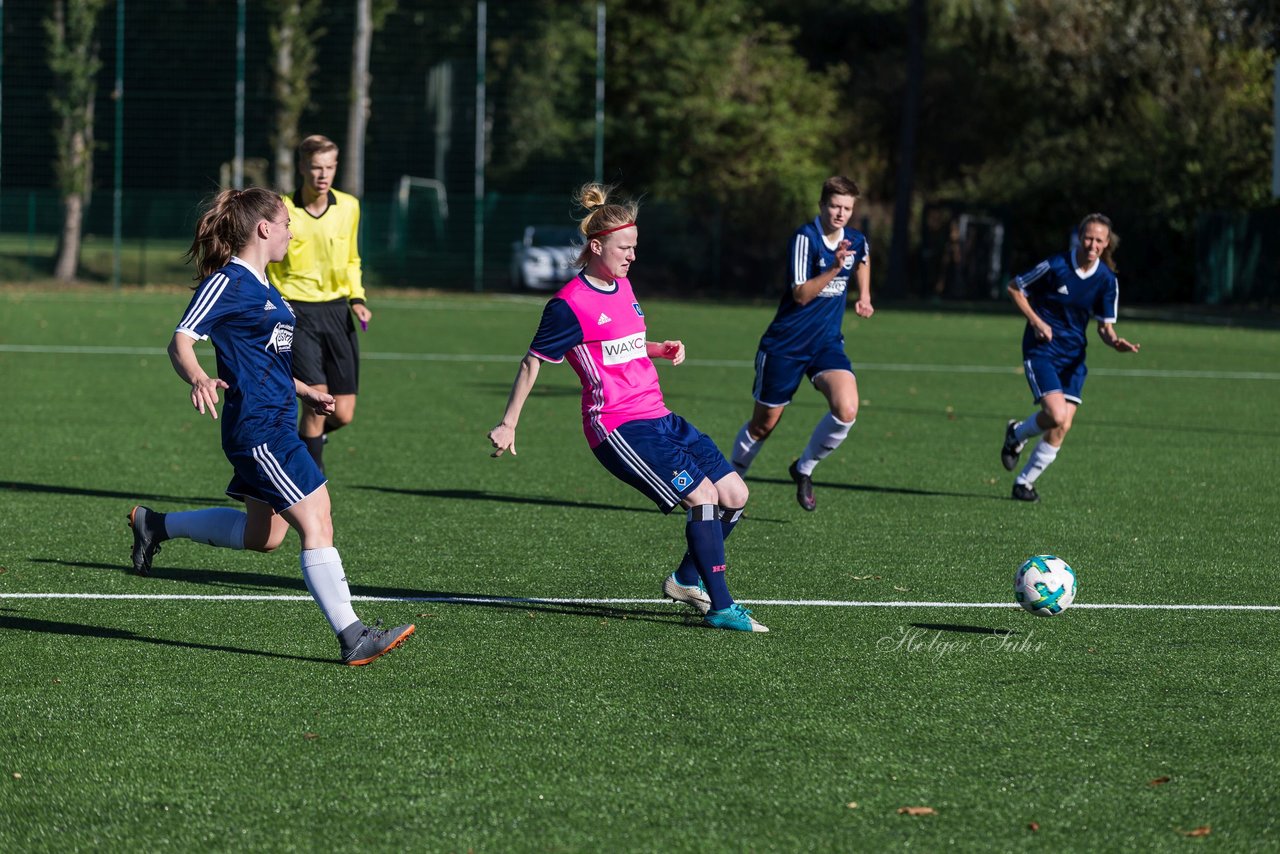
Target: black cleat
(1025, 492)
(1012, 447)
(148, 533)
(375, 641)
(804, 488)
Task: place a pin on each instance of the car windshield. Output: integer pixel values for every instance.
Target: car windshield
(555, 236)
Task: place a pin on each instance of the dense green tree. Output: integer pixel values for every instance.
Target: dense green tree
(708, 104)
(1151, 110)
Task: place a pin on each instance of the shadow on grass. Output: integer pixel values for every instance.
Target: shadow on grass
(883, 490)
(211, 577)
(972, 630)
(1101, 422)
(106, 493)
(262, 581)
(482, 495)
(49, 627)
(569, 609)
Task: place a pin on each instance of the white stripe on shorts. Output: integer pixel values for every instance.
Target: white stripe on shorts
(1031, 378)
(758, 386)
(633, 461)
(275, 473)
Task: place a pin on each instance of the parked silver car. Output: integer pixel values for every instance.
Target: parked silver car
(546, 257)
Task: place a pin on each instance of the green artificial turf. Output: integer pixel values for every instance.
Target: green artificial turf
(220, 724)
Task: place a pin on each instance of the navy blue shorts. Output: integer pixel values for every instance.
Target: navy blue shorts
(279, 471)
(1045, 376)
(325, 348)
(778, 377)
(664, 458)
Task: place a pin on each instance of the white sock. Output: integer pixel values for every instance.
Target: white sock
(1028, 428)
(744, 450)
(1041, 457)
(325, 578)
(827, 436)
(217, 526)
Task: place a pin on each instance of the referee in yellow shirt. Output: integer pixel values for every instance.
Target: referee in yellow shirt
(320, 277)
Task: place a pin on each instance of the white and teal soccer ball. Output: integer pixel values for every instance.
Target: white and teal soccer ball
(1044, 585)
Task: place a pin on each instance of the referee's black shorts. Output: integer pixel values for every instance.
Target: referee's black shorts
(325, 349)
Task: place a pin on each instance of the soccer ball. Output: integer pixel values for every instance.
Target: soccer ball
(1044, 585)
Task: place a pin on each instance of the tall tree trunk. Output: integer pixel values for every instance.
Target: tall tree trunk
(358, 112)
(899, 253)
(286, 135)
(293, 39)
(76, 202)
(68, 260)
(73, 60)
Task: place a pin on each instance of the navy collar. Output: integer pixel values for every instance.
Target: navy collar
(582, 274)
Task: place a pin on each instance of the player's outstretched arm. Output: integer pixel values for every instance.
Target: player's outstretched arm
(204, 389)
(320, 402)
(503, 435)
(673, 350)
(1109, 337)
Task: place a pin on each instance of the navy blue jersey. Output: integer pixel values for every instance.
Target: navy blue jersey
(251, 326)
(1065, 299)
(798, 331)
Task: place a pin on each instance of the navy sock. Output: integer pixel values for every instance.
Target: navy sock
(687, 571)
(706, 543)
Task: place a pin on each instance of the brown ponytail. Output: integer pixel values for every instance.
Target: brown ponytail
(227, 226)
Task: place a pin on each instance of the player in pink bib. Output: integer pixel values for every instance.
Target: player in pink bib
(596, 323)
(603, 329)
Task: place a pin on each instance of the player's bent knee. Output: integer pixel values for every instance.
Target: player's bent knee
(263, 544)
(846, 414)
(1055, 415)
(704, 493)
(732, 492)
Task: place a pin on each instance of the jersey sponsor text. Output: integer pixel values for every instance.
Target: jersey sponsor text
(622, 350)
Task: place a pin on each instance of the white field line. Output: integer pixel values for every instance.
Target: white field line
(697, 363)
(539, 600)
